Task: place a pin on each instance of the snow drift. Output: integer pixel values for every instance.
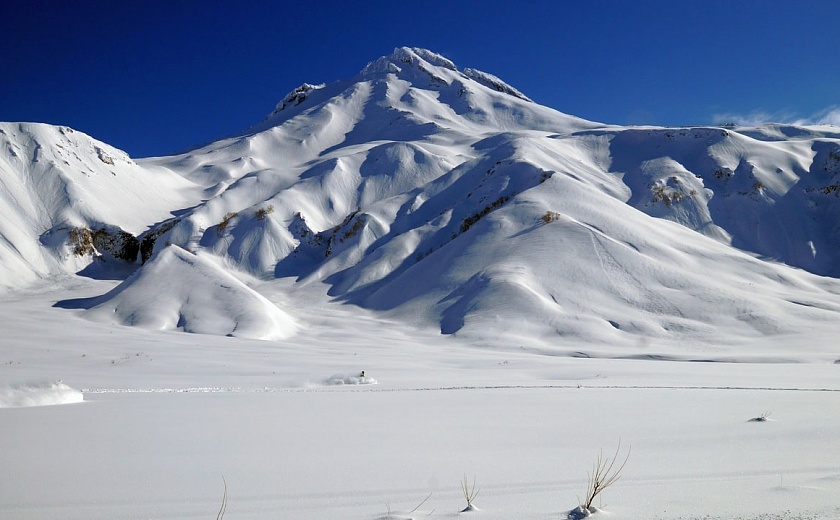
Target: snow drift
(180, 290)
(38, 394)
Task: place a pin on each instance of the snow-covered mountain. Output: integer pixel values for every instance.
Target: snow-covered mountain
(443, 197)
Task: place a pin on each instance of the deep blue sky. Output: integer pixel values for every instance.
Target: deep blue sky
(153, 77)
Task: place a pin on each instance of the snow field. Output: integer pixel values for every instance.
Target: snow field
(166, 415)
(352, 454)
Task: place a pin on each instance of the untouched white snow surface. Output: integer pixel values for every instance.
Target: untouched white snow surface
(410, 276)
(166, 415)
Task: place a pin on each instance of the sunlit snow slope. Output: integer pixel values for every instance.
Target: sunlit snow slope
(444, 197)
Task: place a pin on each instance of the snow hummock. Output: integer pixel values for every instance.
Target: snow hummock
(350, 379)
(38, 394)
(181, 290)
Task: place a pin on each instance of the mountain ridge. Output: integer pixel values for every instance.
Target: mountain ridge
(446, 198)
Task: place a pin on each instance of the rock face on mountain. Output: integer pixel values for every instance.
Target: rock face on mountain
(443, 196)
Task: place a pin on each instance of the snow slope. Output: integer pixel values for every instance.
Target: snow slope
(55, 181)
(446, 198)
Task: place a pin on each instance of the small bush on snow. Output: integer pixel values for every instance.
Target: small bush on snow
(220, 229)
(603, 475)
(550, 216)
(262, 213)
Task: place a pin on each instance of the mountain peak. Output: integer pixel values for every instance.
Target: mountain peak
(419, 67)
(402, 57)
(441, 69)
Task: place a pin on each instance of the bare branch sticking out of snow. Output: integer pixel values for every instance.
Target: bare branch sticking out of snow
(470, 492)
(761, 418)
(603, 475)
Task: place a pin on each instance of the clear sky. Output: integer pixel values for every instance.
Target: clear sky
(154, 77)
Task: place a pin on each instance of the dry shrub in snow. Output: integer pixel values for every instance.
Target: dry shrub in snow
(550, 216)
(262, 213)
(220, 229)
(470, 492)
(603, 475)
(761, 418)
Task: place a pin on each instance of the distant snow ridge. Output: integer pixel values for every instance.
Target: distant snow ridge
(38, 394)
(180, 290)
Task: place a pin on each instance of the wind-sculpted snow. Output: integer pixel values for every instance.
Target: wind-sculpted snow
(445, 198)
(180, 290)
(38, 394)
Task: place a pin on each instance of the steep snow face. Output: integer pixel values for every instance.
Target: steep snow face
(551, 246)
(180, 290)
(329, 151)
(774, 196)
(57, 182)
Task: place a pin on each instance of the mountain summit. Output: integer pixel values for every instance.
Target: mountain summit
(444, 197)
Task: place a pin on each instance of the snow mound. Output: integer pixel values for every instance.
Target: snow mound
(580, 513)
(38, 394)
(180, 290)
(355, 379)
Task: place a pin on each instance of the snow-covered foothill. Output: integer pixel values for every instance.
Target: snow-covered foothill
(181, 290)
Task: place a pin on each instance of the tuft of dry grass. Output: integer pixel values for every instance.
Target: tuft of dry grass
(264, 212)
(224, 502)
(470, 492)
(604, 474)
(550, 216)
(222, 226)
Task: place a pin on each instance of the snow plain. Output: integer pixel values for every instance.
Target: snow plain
(296, 434)
(522, 289)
